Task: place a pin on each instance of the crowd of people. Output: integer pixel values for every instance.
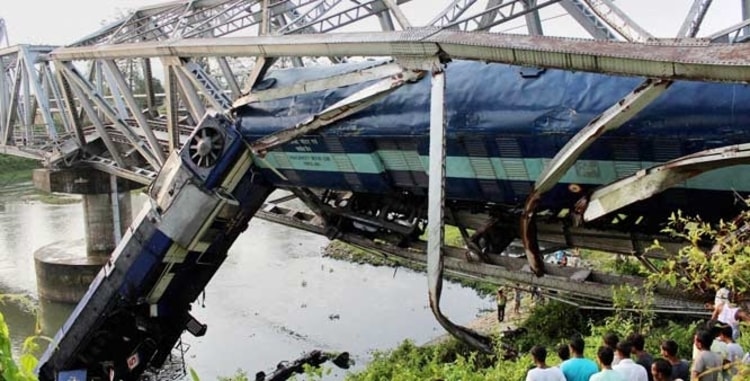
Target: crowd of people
(716, 355)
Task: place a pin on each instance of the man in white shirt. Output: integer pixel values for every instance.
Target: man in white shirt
(627, 367)
(728, 313)
(542, 372)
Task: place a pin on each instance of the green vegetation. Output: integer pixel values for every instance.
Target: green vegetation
(704, 269)
(343, 251)
(549, 324)
(15, 169)
(13, 163)
(449, 361)
(21, 369)
(615, 264)
(56, 198)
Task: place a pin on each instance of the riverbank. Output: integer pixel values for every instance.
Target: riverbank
(345, 252)
(15, 181)
(446, 358)
(488, 325)
(21, 189)
(15, 169)
(549, 324)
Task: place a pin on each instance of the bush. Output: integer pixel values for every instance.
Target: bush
(717, 255)
(448, 361)
(551, 323)
(10, 370)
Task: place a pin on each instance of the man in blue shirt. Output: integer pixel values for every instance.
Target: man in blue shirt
(578, 368)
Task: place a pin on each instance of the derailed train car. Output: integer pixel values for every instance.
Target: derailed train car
(368, 173)
(138, 305)
(504, 124)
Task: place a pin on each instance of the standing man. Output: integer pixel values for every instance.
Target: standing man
(604, 356)
(536, 295)
(735, 353)
(610, 339)
(517, 300)
(642, 357)
(542, 372)
(730, 314)
(661, 370)
(627, 367)
(578, 368)
(708, 365)
(680, 368)
(501, 302)
(563, 352)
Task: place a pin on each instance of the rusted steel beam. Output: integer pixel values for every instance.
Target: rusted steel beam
(611, 119)
(680, 59)
(504, 269)
(367, 74)
(596, 287)
(435, 220)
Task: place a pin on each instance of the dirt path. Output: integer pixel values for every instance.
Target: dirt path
(488, 324)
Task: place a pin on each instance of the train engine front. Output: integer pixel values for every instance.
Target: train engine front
(138, 306)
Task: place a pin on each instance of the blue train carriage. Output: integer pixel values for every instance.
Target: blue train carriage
(138, 306)
(504, 123)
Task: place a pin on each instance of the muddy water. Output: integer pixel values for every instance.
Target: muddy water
(275, 297)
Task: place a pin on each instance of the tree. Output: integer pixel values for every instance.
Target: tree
(716, 255)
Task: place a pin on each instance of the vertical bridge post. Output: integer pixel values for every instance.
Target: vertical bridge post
(435, 222)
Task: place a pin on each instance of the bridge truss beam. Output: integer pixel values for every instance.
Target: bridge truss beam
(31, 105)
(679, 59)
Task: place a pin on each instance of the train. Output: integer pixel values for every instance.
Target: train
(367, 174)
(138, 306)
(504, 123)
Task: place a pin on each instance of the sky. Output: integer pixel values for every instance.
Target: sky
(56, 22)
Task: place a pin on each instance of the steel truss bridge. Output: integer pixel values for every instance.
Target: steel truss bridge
(121, 99)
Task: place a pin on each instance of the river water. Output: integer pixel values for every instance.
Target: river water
(274, 298)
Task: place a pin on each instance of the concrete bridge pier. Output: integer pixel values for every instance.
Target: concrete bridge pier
(64, 269)
(106, 217)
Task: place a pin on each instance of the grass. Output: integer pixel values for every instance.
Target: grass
(14, 177)
(612, 263)
(56, 199)
(15, 169)
(343, 251)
